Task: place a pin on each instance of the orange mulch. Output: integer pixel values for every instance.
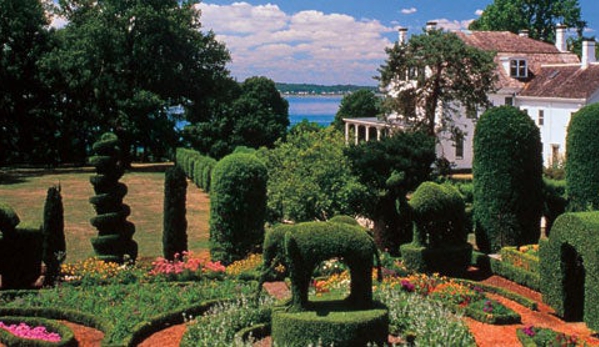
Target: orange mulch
(85, 336)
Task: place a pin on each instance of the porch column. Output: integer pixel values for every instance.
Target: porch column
(378, 133)
(346, 133)
(357, 130)
(367, 133)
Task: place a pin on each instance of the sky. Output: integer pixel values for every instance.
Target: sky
(331, 41)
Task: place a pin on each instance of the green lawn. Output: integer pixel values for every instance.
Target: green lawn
(25, 191)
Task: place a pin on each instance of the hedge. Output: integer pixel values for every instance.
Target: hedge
(174, 234)
(67, 338)
(522, 300)
(451, 260)
(556, 201)
(508, 186)
(570, 267)
(582, 162)
(197, 167)
(517, 274)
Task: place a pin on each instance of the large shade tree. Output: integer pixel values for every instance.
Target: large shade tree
(362, 103)
(433, 70)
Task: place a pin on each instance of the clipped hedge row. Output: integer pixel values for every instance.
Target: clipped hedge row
(514, 257)
(67, 338)
(522, 300)
(451, 260)
(517, 274)
(197, 167)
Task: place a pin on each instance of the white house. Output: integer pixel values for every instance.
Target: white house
(545, 80)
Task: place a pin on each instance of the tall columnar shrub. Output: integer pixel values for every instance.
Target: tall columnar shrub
(508, 185)
(237, 207)
(54, 246)
(582, 164)
(174, 237)
(115, 233)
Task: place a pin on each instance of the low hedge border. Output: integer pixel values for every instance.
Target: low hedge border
(258, 331)
(62, 314)
(516, 274)
(495, 319)
(545, 337)
(527, 262)
(67, 338)
(524, 301)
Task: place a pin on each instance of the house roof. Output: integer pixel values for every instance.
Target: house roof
(509, 45)
(566, 81)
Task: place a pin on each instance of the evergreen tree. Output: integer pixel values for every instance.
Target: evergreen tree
(174, 237)
(54, 246)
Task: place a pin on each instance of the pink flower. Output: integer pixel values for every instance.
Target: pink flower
(25, 331)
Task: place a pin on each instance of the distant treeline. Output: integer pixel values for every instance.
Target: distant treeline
(315, 89)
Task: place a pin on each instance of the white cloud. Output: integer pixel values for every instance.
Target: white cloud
(411, 10)
(479, 12)
(307, 46)
(453, 25)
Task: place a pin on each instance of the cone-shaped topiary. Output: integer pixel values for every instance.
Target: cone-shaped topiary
(174, 237)
(582, 163)
(54, 246)
(115, 233)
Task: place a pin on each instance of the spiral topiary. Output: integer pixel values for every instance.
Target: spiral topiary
(115, 233)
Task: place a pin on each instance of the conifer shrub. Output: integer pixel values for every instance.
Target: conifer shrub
(174, 237)
(54, 247)
(582, 163)
(21, 262)
(237, 207)
(115, 233)
(508, 186)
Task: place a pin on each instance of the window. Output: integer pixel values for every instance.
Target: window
(509, 101)
(541, 118)
(459, 147)
(518, 68)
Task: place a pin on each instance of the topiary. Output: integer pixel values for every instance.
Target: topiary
(582, 163)
(174, 237)
(508, 186)
(237, 207)
(115, 233)
(8, 218)
(344, 219)
(22, 256)
(54, 246)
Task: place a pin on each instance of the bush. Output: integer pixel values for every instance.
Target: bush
(516, 274)
(8, 218)
(54, 247)
(174, 237)
(508, 182)
(582, 163)
(115, 233)
(555, 202)
(196, 167)
(451, 260)
(237, 207)
(344, 219)
(569, 268)
(21, 262)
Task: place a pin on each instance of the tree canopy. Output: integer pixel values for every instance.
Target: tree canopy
(435, 69)
(539, 17)
(359, 104)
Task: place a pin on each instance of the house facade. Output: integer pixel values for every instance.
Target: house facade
(545, 80)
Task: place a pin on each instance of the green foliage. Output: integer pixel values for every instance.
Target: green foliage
(582, 163)
(196, 166)
(54, 247)
(328, 325)
(539, 17)
(516, 274)
(115, 233)
(309, 177)
(555, 201)
(174, 237)
(8, 218)
(450, 260)
(344, 219)
(21, 254)
(443, 56)
(508, 196)
(362, 103)
(569, 268)
(67, 338)
(531, 336)
(237, 207)
(492, 312)
(389, 169)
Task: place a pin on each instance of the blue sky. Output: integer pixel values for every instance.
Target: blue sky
(331, 41)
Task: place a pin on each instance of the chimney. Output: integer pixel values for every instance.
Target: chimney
(588, 53)
(403, 36)
(431, 25)
(523, 33)
(560, 38)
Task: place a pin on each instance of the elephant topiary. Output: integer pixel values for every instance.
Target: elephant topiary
(305, 245)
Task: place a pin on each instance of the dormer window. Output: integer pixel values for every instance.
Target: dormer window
(518, 68)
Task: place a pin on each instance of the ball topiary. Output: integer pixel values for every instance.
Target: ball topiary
(237, 207)
(508, 186)
(115, 233)
(582, 163)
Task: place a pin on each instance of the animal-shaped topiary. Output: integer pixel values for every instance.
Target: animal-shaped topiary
(115, 233)
(306, 245)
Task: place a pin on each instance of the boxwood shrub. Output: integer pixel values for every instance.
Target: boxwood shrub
(507, 169)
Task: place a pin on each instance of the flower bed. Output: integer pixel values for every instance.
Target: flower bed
(531, 336)
(34, 332)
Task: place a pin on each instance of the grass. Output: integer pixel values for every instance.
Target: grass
(25, 191)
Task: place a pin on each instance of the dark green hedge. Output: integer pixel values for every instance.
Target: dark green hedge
(475, 311)
(174, 236)
(329, 324)
(582, 162)
(21, 256)
(556, 201)
(452, 260)
(344, 219)
(564, 285)
(508, 186)
(8, 218)
(511, 255)
(197, 167)
(237, 207)
(54, 245)
(526, 278)
(66, 334)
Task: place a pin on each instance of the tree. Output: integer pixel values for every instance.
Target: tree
(54, 245)
(174, 237)
(435, 69)
(539, 17)
(389, 169)
(24, 99)
(255, 115)
(122, 64)
(362, 103)
(309, 176)
(508, 185)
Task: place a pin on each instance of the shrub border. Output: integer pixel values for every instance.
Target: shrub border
(522, 300)
(516, 274)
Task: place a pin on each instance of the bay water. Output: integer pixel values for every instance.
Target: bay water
(316, 109)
